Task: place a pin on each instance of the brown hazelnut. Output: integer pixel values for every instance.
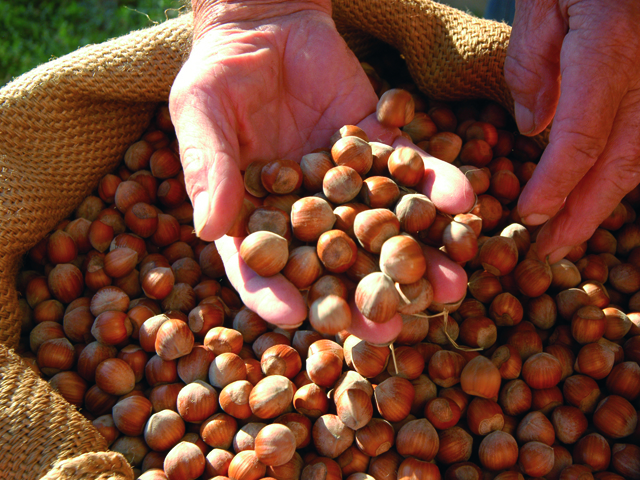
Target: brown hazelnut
(185, 461)
(271, 396)
(379, 192)
(275, 445)
(163, 430)
(331, 437)
(354, 152)
(197, 401)
(131, 414)
(218, 430)
(265, 252)
(281, 176)
(341, 184)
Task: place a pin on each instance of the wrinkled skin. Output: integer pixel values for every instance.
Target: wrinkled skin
(278, 86)
(593, 156)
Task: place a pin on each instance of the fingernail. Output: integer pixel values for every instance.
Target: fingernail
(201, 209)
(558, 254)
(524, 119)
(535, 219)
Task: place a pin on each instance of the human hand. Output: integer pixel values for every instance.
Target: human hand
(278, 86)
(593, 156)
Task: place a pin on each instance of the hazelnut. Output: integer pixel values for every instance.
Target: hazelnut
(197, 401)
(396, 108)
(270, 219)
(234, 399)
(164, 397)
(173, 340)
(104, 424)
(244, 439)
(223, 340)
(131, 414)
(71, 386)
(394, 397)
(303, 267)
(373, 227)
(341, 184)
(415, 212)
(55, 355)
(331, 437)
(115, 376)
(271, 396)
(311, 400)
(281, 360)
(300, 425)
(480, 377)
(310, 217)
(379, 192)
(498, 451)
(354, 152)
(275, 445)
(281, 176)
(414, 468)
(443, 413)
(158, 371)
(445, 146)
(418, 438)
(217, 462)
(218, 430)
(460, 241)
(163, 430)
(112, 327)
(330, 314)
(185, 461)
(225, 368)
(615, 417)
(406, 166)
(246, 466)
(314, 167)
(65, 282)
(376, 297)
(265, 252)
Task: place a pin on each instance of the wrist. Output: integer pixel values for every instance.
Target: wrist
(208, 14)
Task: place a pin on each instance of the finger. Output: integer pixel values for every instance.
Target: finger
(371, 332)
(448, 279)
(275, 299)
(532, 66)
(209, 153)
(593, 84)
(378, 132)
(446, 186)
(615, 174)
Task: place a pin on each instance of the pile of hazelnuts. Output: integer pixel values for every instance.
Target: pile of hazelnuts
(534, 374)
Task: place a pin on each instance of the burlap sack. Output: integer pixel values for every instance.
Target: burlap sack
(68, 122)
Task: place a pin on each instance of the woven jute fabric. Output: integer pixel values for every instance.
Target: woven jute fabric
(38, 427)
(67, 123)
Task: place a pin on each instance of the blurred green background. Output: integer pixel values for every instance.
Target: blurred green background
(35, 31)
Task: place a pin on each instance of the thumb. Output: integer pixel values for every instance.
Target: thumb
(532, 66)
(208, 151)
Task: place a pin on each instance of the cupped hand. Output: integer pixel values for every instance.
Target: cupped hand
(576, 62)
(268, 80)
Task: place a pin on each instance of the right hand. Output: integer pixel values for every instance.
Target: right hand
(576, 62)
(267, 80)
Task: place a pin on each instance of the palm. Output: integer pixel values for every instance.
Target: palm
(283, 89)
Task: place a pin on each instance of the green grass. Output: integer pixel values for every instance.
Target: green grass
(37, 31)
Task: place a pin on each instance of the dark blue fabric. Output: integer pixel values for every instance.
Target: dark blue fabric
(501, 10)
